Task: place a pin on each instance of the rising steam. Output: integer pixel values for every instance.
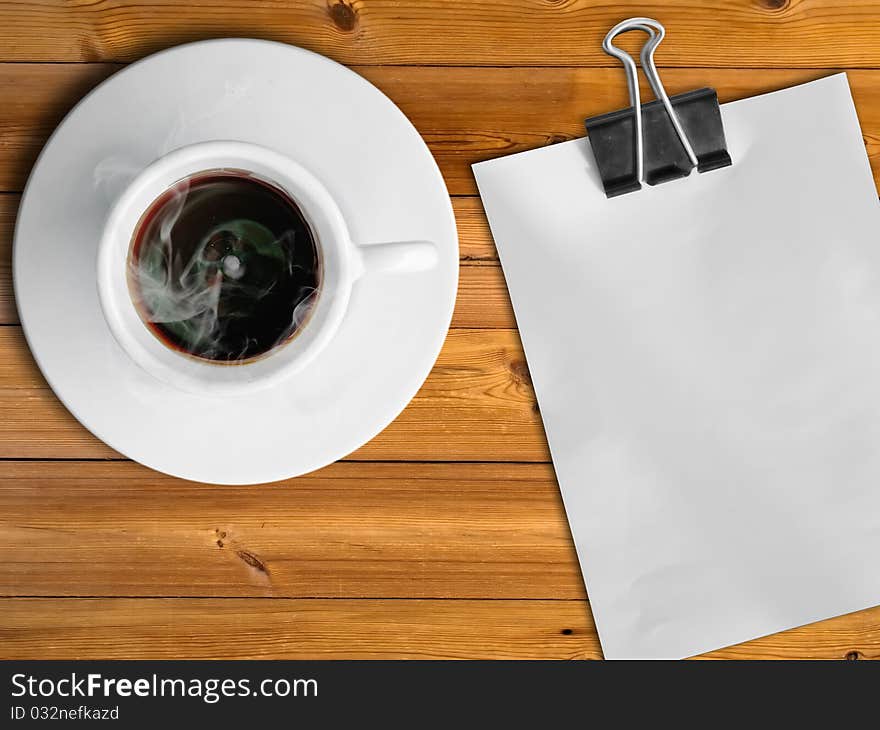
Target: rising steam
(227, 293)
(223, 296)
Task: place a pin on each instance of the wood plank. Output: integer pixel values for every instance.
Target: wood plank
(242, 628)
(8, 209)
(294, 629)
(474, 237)
(35, 99)
(465, 114)
(349, 530)
(492, 32)
(482, 298)
(477, 405)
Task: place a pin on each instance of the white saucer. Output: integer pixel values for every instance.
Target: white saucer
(330, 120)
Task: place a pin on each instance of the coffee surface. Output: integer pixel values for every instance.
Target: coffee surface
(224, 267)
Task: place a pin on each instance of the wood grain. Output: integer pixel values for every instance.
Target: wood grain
(450, 32)
(477, 405)
(349, 530)
(483, 300)
(35, 100)
(484, 113)
(474, 237)
(255, 628)
(8, 209)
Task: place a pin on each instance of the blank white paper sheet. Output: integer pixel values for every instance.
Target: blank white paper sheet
(706, 356)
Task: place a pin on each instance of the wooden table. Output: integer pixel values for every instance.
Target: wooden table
(444, 536)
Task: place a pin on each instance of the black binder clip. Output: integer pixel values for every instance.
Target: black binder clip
(661, 140)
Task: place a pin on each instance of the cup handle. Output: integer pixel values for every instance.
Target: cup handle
(400, 257)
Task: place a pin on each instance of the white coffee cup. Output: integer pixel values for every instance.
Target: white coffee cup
(342, 263)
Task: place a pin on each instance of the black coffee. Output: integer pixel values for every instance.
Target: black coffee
(223, 266)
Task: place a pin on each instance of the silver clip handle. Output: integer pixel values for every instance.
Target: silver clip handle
(656, 32)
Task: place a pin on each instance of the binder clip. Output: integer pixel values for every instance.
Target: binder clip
(660, 140)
